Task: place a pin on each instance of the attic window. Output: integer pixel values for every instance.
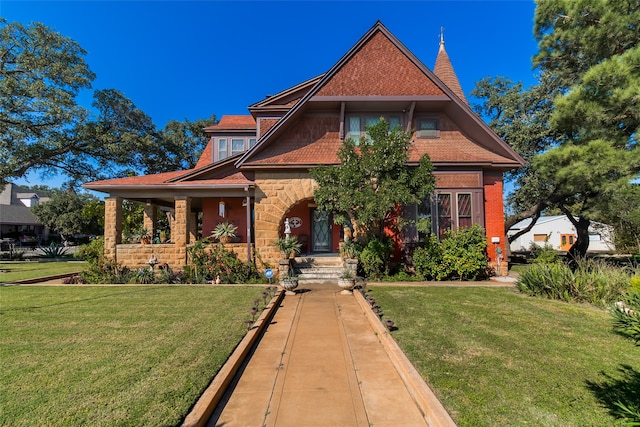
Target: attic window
(428, 128)
(357, 124)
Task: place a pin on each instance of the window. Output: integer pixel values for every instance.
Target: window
(424, 214)
(222, 148)
(444, 214)
(464, 210)
(542, 238)
(237, 146)
(428, 128)
(357, 124)
(226, 148)
(444, 211)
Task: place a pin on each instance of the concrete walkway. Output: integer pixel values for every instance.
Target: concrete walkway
(320, 363)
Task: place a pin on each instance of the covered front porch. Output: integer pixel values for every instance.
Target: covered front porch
(192, 215)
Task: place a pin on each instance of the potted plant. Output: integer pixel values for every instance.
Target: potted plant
(289, 247)
(346, 281)
(289, 282)
(224, 232)
(141, 235)
(349, 249)
(163, 236)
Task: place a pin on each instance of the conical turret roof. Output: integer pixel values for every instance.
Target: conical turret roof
(444, 71)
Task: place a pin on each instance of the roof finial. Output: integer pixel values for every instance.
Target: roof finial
(441, 36)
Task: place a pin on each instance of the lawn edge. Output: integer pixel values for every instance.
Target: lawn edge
(206, 404)
(428, 403)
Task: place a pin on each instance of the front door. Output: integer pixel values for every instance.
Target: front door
(321, 231)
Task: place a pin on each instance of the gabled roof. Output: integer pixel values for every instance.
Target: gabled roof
(221, 174)
(230, 123)
(363, 74)
(285, 100)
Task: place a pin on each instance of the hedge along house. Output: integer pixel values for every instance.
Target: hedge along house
(254, 172)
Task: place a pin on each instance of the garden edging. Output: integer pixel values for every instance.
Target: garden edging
(206, 404)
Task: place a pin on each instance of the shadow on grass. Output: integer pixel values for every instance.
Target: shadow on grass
(614, 392)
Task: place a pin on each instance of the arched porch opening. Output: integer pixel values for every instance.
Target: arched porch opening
(313, 228)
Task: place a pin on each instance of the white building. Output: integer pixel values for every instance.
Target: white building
(559, 233)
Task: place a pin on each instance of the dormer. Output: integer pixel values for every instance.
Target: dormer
(231, 136)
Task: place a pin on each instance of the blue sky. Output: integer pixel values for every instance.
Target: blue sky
(192, 59)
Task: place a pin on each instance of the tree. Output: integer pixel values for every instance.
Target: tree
(43, 128)
(596, 42)
(521, 118)
(179, 146)
(588, 58)
(69, 213)
(373, 179)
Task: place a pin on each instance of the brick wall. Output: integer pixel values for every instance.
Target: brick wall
(494, 215)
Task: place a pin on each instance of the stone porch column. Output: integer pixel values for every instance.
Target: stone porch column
(112, 226)
(149, 219)
(192, 227)
(180, 232)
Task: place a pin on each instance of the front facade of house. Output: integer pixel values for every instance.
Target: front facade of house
(255, 170)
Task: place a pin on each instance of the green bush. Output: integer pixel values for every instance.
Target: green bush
(544, 254)
(207, 263)
(91, 252)
(593, 281)
(104, 271)
(461, 255)
(464, 253)
(553, 281)
(427, 260)
(375, 257)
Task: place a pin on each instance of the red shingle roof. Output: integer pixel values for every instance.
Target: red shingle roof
(444, 71)
(233, 123)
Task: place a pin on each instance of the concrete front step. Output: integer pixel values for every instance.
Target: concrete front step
(322, 269)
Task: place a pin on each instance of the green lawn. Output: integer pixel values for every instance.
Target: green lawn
(499, 358)
(113, 356)
(12, 271)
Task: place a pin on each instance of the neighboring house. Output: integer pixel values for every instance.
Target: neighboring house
(559, 233)
(255, 170)
(16, 219)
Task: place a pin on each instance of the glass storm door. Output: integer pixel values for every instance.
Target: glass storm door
(321, 233)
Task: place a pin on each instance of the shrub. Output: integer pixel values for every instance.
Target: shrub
(91, 252)
(105, 271)
(427, 260)
(464, 253)
(553, 281)
(54, 250)
(626, 317)
(206, 263)
(593, 281)
(634, 284)
(375, 257)
(544, 254)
